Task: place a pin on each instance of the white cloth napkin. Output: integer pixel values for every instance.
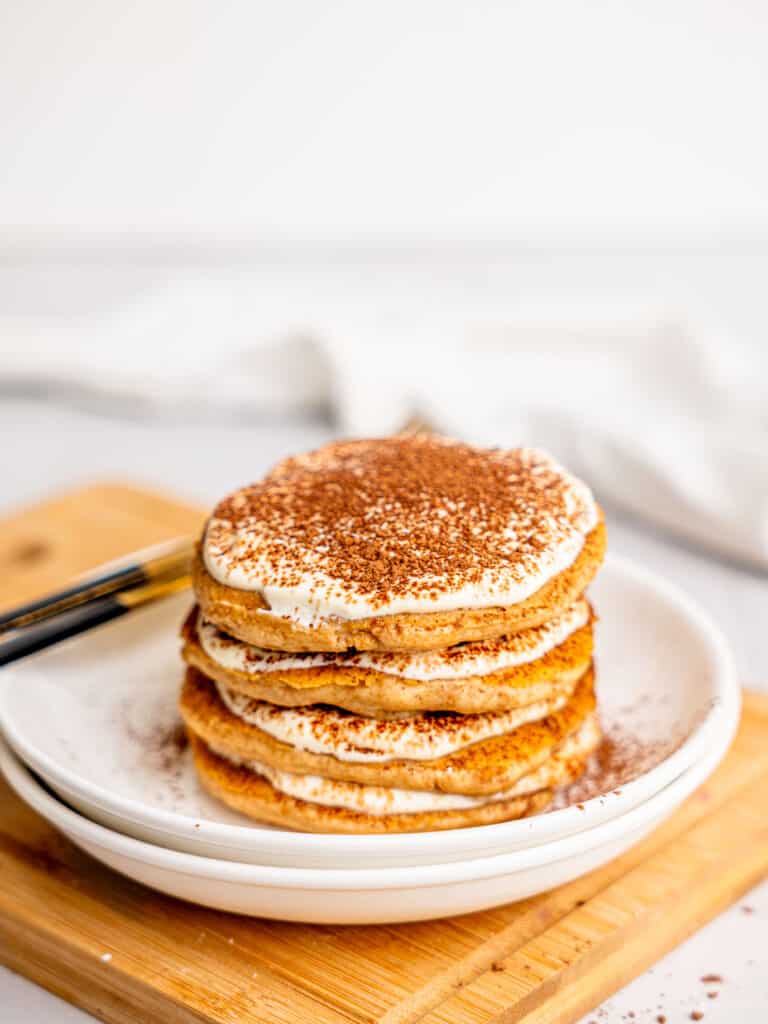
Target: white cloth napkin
(660, 418)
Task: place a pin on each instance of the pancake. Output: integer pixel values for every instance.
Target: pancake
(383, 684)
(354, 796)
(246, 615)
(479, 768)
(401, 544)
(251, 794)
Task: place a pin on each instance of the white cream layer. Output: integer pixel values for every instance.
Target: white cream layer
(236, 559)
(380, 800)
(459, 662)
(347, 737)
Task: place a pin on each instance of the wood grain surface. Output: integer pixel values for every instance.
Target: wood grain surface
(545, 960)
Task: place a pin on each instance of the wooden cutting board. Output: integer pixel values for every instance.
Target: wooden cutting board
(546, 960)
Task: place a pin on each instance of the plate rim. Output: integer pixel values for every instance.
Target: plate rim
(430, 875)
(293, 843)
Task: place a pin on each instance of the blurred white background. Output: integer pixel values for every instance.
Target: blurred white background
(436, 118)
(232, 230)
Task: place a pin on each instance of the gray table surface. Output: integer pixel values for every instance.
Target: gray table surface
(53, 446)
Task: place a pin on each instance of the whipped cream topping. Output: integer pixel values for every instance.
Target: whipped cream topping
(461, 661)
(321, 729)
(399, 525)
(379, 800)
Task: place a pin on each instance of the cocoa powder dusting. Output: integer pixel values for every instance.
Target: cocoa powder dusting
(417, 516)
(161, 746)
(620, 757)
(164, 744)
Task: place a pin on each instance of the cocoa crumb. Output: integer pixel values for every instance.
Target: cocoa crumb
(696, 1014)
(712, 979)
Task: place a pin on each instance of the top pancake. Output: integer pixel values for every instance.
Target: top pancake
(398, 544)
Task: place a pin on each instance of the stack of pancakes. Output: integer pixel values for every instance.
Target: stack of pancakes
(392, 636)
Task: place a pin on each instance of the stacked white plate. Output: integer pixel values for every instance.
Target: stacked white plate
(93, 745)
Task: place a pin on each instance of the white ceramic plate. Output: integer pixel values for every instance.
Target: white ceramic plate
(95, 718)
(368, 895)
